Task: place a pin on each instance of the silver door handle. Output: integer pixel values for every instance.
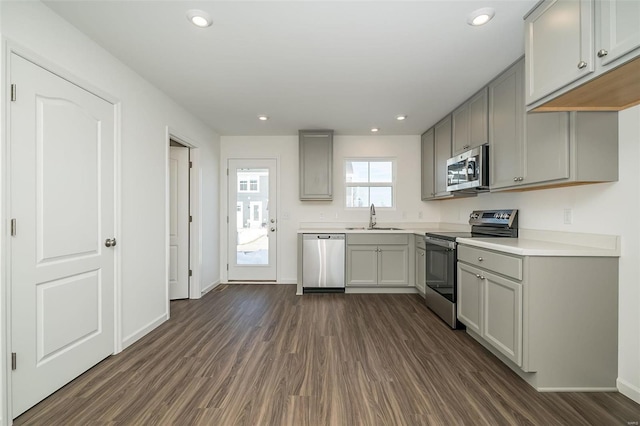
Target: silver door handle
(480, 259)
(477, 275)
(273, 221)
(602, 53)
(273, 229)
(110, 242)
(582, 65)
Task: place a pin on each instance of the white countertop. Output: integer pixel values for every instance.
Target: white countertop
(419, 231)
(530, 247)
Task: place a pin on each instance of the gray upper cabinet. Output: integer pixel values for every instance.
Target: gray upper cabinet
(506, 128)
(427, 165)
(442, 138)
(558, 54)
(470, 123)
(530, 150)
(567, 62)
(316, 164)
(617, 29)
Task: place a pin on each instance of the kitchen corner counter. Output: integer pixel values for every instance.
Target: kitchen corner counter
(532, 247)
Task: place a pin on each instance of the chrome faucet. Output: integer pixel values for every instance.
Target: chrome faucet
(372, 216)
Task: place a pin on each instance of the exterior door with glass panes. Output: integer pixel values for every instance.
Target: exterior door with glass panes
(369, 181)
(252, 229)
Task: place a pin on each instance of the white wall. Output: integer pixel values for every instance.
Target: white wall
(405, 149)
(611, 208)
(145, 115)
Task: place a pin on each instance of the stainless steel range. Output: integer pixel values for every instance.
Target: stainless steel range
(441, 257)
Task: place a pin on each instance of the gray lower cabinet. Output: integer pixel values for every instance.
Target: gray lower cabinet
(420, 264)
(531, 150)
(553, 320)
(379, 260)
(316, 164)
(469, 301)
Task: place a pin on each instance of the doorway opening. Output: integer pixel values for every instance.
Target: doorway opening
(179, 220)
(183, 223)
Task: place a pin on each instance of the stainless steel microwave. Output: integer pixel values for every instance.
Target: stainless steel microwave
(469, 170)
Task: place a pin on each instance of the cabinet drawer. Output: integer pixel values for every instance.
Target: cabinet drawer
(504, 264)
(377, 238)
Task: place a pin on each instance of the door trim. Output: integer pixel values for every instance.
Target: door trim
(195, 198)
(10, 48)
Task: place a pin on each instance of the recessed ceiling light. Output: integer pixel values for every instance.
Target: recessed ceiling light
(401, 117)
(375, 129)
(480, 16)
(199, 18)
(263, 117)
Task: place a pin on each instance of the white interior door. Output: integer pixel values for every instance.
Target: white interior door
(62, 198)
(253, 232)
(178, 222)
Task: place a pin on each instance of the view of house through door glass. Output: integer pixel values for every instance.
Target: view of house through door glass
(252, 220)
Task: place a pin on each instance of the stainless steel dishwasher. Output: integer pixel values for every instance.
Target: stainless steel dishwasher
(323, 262)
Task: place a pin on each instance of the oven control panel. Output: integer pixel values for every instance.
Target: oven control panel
(506, 218)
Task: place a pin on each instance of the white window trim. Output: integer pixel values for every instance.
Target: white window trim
(370, 184)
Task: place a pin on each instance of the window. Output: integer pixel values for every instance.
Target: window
(369, 182)
(248, 184)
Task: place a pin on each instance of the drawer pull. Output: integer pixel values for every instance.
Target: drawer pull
(480, 259)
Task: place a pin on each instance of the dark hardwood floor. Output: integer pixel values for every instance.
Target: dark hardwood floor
(260, 355)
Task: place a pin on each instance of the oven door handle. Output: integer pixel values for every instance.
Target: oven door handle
(441, 243)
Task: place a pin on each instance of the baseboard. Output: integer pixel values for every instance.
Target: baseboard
(603, 389)
(627, 389)
(137, 335)
(285, 282)
(210, 287)
(383, 290)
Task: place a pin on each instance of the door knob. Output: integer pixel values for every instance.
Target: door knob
(582, 65)
(110, 242)
(602, 53)
(273, 229)
(273, 221)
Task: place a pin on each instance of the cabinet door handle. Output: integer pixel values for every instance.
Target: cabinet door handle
(515, 179)
(602, 53)
(477, 275)
(520, 179)
(481, 277)
(582, 65)
(421, 253)
(480, 259)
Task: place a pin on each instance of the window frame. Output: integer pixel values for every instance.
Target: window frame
(369, 160)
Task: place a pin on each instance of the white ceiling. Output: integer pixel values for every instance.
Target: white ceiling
(342, 65)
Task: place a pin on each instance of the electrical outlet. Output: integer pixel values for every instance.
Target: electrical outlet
(568, 216)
